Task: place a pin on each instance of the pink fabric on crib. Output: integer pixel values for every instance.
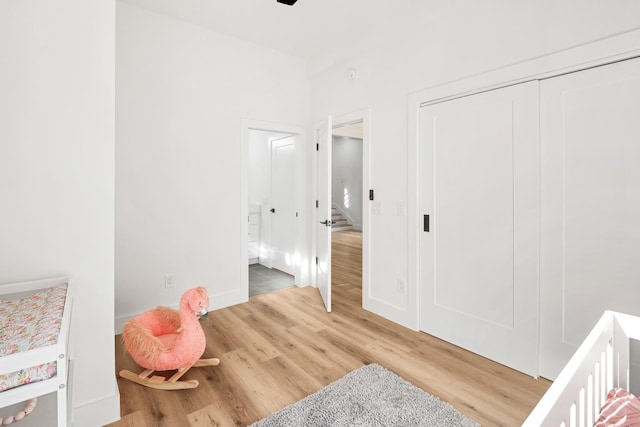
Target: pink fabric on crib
(621, 409)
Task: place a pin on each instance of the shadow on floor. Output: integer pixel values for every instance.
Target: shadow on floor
(263, 280)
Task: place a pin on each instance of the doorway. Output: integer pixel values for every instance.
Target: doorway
(271, 210)
(348, 177)
(347, 197)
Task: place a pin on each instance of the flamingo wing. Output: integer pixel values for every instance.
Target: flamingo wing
(143, 346)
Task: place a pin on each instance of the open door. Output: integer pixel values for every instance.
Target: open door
(323, 225)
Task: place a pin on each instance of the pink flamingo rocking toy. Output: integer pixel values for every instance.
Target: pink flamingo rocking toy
(164, 339)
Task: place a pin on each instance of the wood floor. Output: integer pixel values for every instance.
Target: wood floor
(281, 346)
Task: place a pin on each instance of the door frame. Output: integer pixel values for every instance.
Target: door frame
(301, 279)
(363, 116)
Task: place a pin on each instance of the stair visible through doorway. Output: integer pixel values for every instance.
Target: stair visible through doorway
(339, 222)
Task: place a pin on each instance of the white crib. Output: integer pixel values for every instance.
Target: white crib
(601, 363)
(54, 354)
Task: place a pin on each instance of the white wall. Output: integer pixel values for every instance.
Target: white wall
(182, 94)
(422, 48)
(346, 177)
(57, 64)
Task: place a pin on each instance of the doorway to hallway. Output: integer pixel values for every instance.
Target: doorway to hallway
(342, 196)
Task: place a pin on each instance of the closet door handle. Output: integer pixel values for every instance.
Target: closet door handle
(426, 223)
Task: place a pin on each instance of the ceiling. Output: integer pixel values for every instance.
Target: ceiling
(351, 130)
(308, 29)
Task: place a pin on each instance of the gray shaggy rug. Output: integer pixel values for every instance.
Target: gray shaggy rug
(369, 396)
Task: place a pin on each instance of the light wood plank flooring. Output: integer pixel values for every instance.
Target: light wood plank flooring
(281, 346)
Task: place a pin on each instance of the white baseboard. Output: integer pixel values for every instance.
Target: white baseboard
(399, 315)
(98, 413)
(120, 321)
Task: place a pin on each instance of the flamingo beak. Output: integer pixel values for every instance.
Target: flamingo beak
(202, 314)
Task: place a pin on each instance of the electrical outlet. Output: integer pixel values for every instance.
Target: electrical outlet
(401, 286)
(168, 281)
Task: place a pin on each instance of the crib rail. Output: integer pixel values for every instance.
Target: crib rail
(600, 364)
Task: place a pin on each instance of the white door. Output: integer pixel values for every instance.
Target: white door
(323, 223)
(283, 209)
(590, 195)
(478, 184)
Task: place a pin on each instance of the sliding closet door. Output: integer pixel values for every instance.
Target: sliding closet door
(590, 195)
(478, 189)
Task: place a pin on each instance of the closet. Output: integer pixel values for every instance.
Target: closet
(529, 199)
(589, 204)
(478, 183)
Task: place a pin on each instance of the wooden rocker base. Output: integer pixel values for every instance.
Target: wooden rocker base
(161, 383)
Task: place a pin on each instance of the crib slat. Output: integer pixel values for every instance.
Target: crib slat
(591, 400)
(582, 408)
(596, 386)
(627, 326)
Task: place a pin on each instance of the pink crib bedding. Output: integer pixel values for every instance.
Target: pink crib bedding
(620, 409)
(27, 324)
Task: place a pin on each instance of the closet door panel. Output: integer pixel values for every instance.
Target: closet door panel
(478, 261)
(590, 198)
